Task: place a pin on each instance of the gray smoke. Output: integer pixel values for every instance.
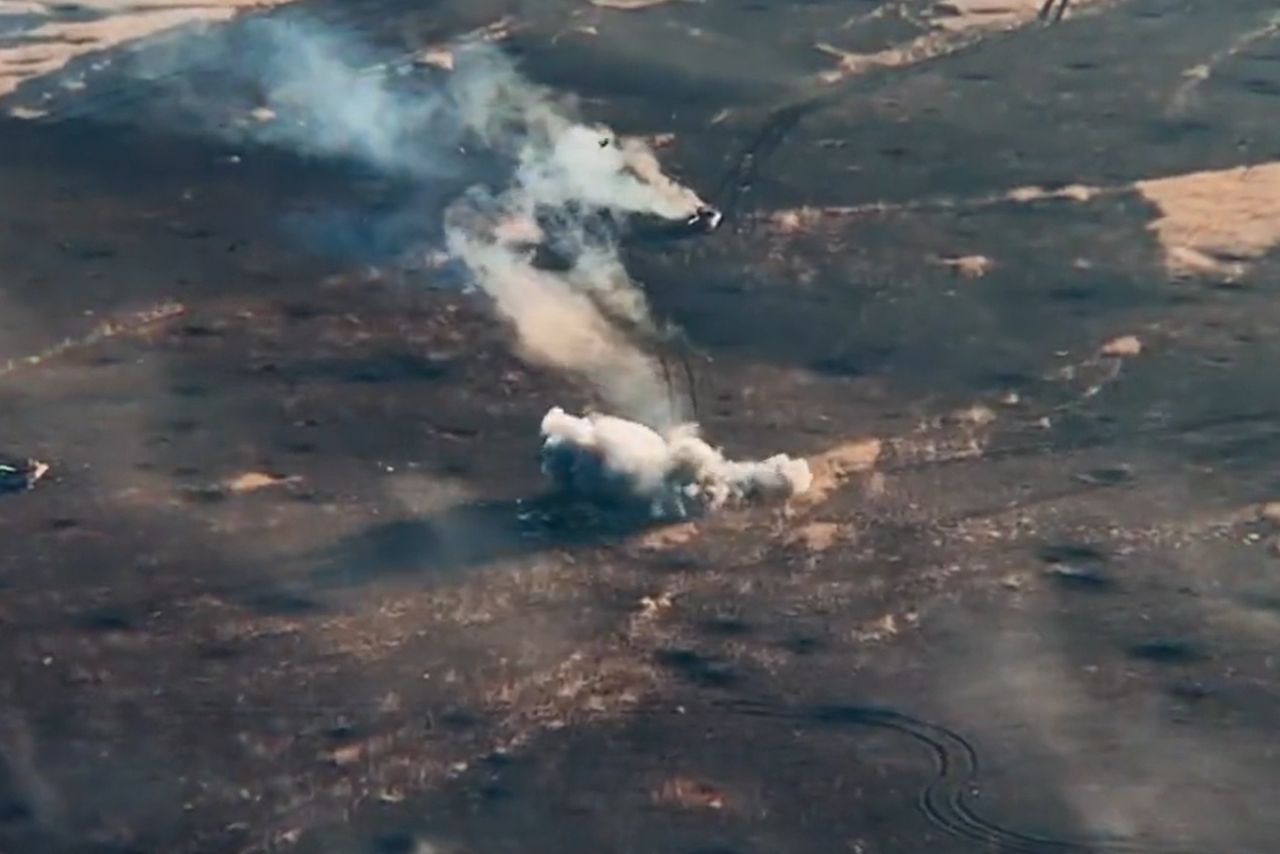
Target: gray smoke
(331, 96)
(587, 319)
(324, 93)
(567, 183)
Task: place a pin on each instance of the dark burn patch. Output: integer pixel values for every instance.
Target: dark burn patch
(1107, 476)
(460, 718)
(1076, 566)
(107, 619)
(1072, 553)
(1189, 691)
(395, 842)
(801, 644)
(1167, 651)
(699, 669)
(725, 625)
(282, 603)
(398, 367)
(851, 364)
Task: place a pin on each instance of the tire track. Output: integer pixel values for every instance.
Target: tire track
(745, 167)
(944, 800)
(780, 121)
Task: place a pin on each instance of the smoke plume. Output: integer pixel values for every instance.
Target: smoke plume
(675, 475)
(564, 186)
(571, 184)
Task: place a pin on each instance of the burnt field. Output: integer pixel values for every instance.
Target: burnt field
(293, 580)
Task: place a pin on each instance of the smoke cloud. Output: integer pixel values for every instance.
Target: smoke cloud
(571, 184)
(675, 475)
(565, 187)
(330, 96)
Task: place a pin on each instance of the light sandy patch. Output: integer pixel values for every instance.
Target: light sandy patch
(975, 415)
(931, 45)
(440, 54)
(689, 794)
(833, 468)
(951, 26)
(628, 5)
(797, 220)
(252, 481)
(884, 628)
(984, 14)
(968, 266)
(1214, 222)
(1211, 223)
(671, 535)
(50, 46)
(818, 536)
(1122, 347)
(1198, 74)
(27, 113)
(1071, 192)
(136, 324)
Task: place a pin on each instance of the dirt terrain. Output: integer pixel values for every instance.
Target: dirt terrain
(291, 581)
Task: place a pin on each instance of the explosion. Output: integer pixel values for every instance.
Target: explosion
(676, 475)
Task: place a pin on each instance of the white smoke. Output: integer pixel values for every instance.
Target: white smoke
(562, 161)
(557, 324)
(675, 475)
(568, 185)
(571, 177)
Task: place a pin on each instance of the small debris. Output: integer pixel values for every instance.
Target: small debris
(973, 416)
(1122, 347)
(347, 755)
(27, 113)
(288, 837)
(1079, 577)
(795, 219)
(438, 57)
(1167, 651)
(20, 475)
(262, 114)
(969, 266)
(878, 630)
(254, 480)
(627, 5)
(817, 536)
(1111, 476)
(690, 794)
(650, 605)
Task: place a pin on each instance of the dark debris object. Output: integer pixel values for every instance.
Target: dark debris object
(1048, 12)
(19, 475)
(706, 219)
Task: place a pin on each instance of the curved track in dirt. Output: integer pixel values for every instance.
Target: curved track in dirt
(945, 799)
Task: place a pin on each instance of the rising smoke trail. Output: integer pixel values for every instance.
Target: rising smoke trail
(568, 185)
